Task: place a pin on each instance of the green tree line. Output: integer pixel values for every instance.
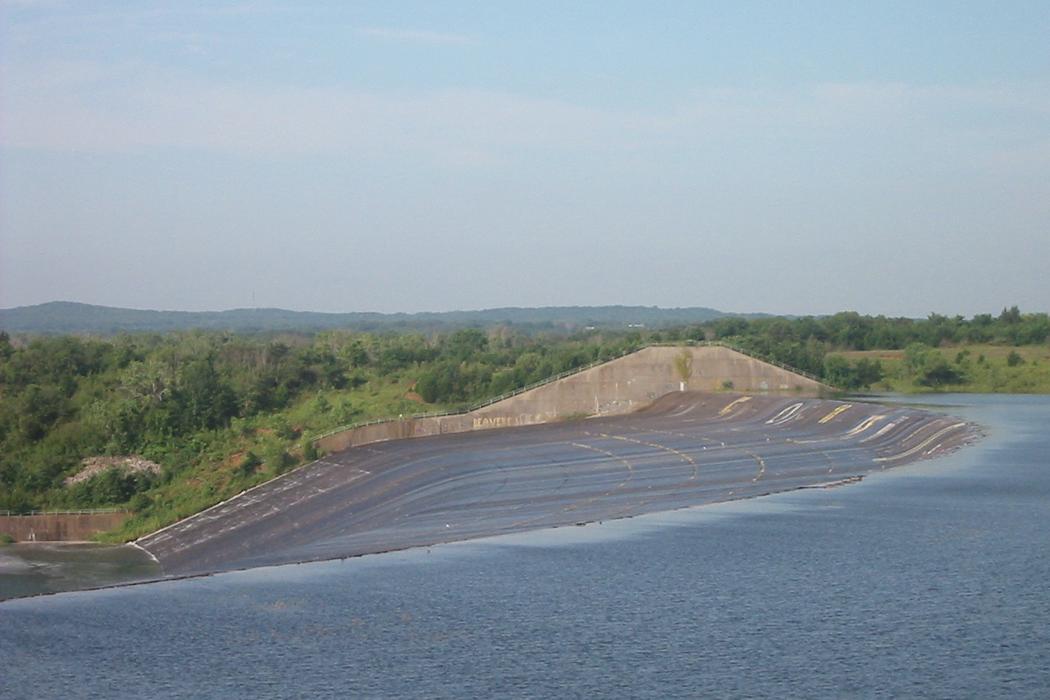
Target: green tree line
(221, 411)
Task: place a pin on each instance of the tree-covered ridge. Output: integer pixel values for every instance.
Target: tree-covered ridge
(69, 317)
(221, 412)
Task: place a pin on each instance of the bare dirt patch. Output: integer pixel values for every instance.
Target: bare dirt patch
(128, 464)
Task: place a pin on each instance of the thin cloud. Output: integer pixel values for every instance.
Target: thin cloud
(31, 3)
(56, 106)
(416, 36)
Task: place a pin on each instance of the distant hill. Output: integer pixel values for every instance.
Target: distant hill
(70, 317)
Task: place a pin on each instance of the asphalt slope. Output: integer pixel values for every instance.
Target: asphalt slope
(686, 449)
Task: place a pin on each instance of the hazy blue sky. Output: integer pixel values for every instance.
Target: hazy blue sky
(792, 157)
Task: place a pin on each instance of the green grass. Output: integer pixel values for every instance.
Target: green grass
(985, 369)
(214, 461)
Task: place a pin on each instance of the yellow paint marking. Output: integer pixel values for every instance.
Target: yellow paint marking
(630, 467)
(681, 455)
(841, 409)
(592, 499)
(729, 408)
(923, 444)
(864, 425)
(882, 431)
(754, 455)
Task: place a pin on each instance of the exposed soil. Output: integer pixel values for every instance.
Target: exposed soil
(128, 464)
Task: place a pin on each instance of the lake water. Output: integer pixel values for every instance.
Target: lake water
(932, 580)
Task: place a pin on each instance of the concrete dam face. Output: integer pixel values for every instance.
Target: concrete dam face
(616, 387)
(686, 448)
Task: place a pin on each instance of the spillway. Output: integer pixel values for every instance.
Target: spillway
(687, 449)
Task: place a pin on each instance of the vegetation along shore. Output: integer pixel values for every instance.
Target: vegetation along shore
(206, 414)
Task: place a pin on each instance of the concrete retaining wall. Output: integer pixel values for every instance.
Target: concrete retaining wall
(59, 527)
(616, 387)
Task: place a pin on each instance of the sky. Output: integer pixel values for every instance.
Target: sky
(783, 157)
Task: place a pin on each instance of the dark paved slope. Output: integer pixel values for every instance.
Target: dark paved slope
(687, 449)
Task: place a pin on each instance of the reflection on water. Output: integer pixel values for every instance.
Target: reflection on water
(50, 567)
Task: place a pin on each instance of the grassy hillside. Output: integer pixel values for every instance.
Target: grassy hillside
(977, 368)
(215, 465)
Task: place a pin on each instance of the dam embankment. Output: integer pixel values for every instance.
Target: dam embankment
(617, 387)
(685, 449)
(60, 527)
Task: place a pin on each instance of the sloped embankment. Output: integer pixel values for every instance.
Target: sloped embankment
(686, 449)
(616, 387)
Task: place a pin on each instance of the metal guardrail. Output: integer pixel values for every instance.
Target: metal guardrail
(563, 375)
(84, 511)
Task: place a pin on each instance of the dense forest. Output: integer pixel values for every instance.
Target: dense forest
(217, 412)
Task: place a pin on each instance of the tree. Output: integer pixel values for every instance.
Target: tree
(203, 400)
(39, 408)
(465, 344)
(937, 372)
(916, 357)
(1011, 315)
(837, 372)
(868, 372)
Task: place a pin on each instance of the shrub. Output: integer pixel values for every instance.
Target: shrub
(938, 373)
(277, 459)
(283, 429)
(249, 463)
(140, 502)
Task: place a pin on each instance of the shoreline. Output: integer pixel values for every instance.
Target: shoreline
(440, 536)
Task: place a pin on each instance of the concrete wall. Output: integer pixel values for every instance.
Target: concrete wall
(619, 386)
(59, 527)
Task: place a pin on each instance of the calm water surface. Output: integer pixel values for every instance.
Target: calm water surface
(929, 581)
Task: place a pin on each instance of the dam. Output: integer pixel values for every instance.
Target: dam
(684, 448)
(616, 387)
